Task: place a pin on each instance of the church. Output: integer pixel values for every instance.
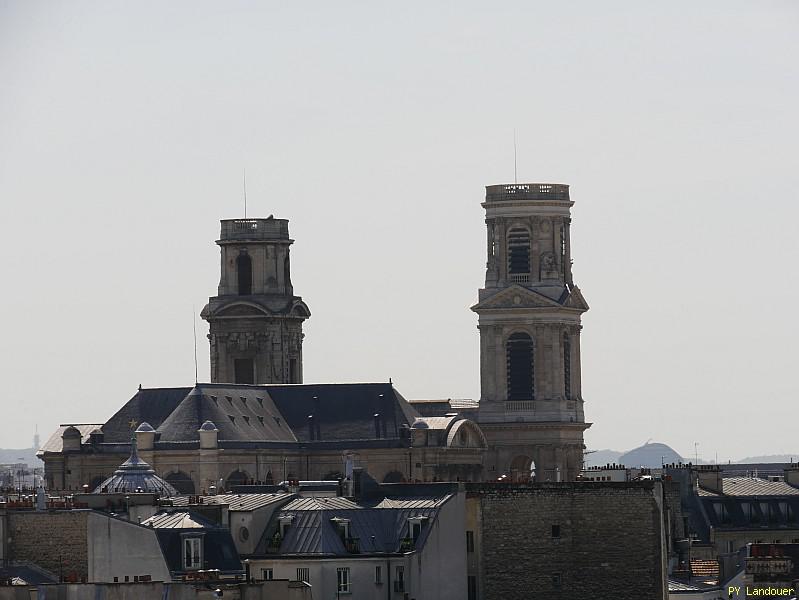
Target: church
(256, 421)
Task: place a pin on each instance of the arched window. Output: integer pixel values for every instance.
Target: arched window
(244, 270)
(181, 482)
(519, 255)
(520, 366)
(567, 366)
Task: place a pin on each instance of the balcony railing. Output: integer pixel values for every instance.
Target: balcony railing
(353, 545)
(255, 229)
(527, 191)
(520, 405)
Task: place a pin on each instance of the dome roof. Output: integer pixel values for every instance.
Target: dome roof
(134, 475)
(208, 426)
(420, 424)
(145, 426)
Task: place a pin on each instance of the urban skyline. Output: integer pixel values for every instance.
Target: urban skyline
(122, 161)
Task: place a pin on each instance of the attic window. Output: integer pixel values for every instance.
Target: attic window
(285, 523)
(192, 553)
(246, 419)
(212, 398)
(261, 420)
(229, 399)
(232, 419)
(277, 420)
(415, 527)
(244, 400)
(342, 527)
(260, 401)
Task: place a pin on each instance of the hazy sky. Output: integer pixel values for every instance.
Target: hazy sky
(374, 126)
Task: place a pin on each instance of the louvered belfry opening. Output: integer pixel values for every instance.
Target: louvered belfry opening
(521, 372)
(244, 370)
(567, 366)
(244, 270)
(519, 255)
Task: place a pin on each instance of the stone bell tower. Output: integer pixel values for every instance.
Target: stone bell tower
(255, 320)
(531, 404)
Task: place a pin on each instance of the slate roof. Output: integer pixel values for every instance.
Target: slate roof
(380, 524)
(147, 405)
(219, 551)
(259, 415)
(241, 413)
(55, 444)
(344, 411)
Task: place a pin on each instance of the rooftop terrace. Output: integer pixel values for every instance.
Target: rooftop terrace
(254, 229)
(527, 191)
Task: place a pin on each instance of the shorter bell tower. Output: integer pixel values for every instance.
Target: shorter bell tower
(531, 402)
(255, 320)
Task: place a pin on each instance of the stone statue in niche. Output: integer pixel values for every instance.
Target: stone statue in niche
(549, 269)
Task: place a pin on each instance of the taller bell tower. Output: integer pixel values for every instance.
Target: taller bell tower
(255, 320)
(531, 404)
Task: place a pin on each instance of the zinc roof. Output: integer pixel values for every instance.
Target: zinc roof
(238, 502)
(753, 486)
(333, 503)
(178, 520)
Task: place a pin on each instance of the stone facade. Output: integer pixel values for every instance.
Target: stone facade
(203, 467)
(568, 540)
(255, 320)
(531, 404)
(55, 541)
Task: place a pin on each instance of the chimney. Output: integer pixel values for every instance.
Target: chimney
(708, 477)
(792, 474)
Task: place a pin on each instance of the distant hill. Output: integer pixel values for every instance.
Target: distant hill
(770, 458)
(24, 455)
(650, 455)
(599, 458)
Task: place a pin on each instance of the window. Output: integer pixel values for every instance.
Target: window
(192, 553)
(378, 574)
(567, 366)
(343, 578)
(519, 255)
(244, 271)
(304, 574)
(556, 531)
(267, 574)
(416, 529)
(285, 523)
(470, 541)
(471, 587)
(293, 375)
(244, 371)
(399, 578)
(520, 367)
(557, 580)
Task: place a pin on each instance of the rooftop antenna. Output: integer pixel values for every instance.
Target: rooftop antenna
(194, 327)
(515, 176)
(245, 192)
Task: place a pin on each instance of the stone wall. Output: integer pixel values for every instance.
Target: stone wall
(570, 540)
(56, 541)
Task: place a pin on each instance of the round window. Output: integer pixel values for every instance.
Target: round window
(244, 534)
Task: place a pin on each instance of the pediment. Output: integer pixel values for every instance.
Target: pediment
(515, 296)
(575, 300)
(241, 309)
